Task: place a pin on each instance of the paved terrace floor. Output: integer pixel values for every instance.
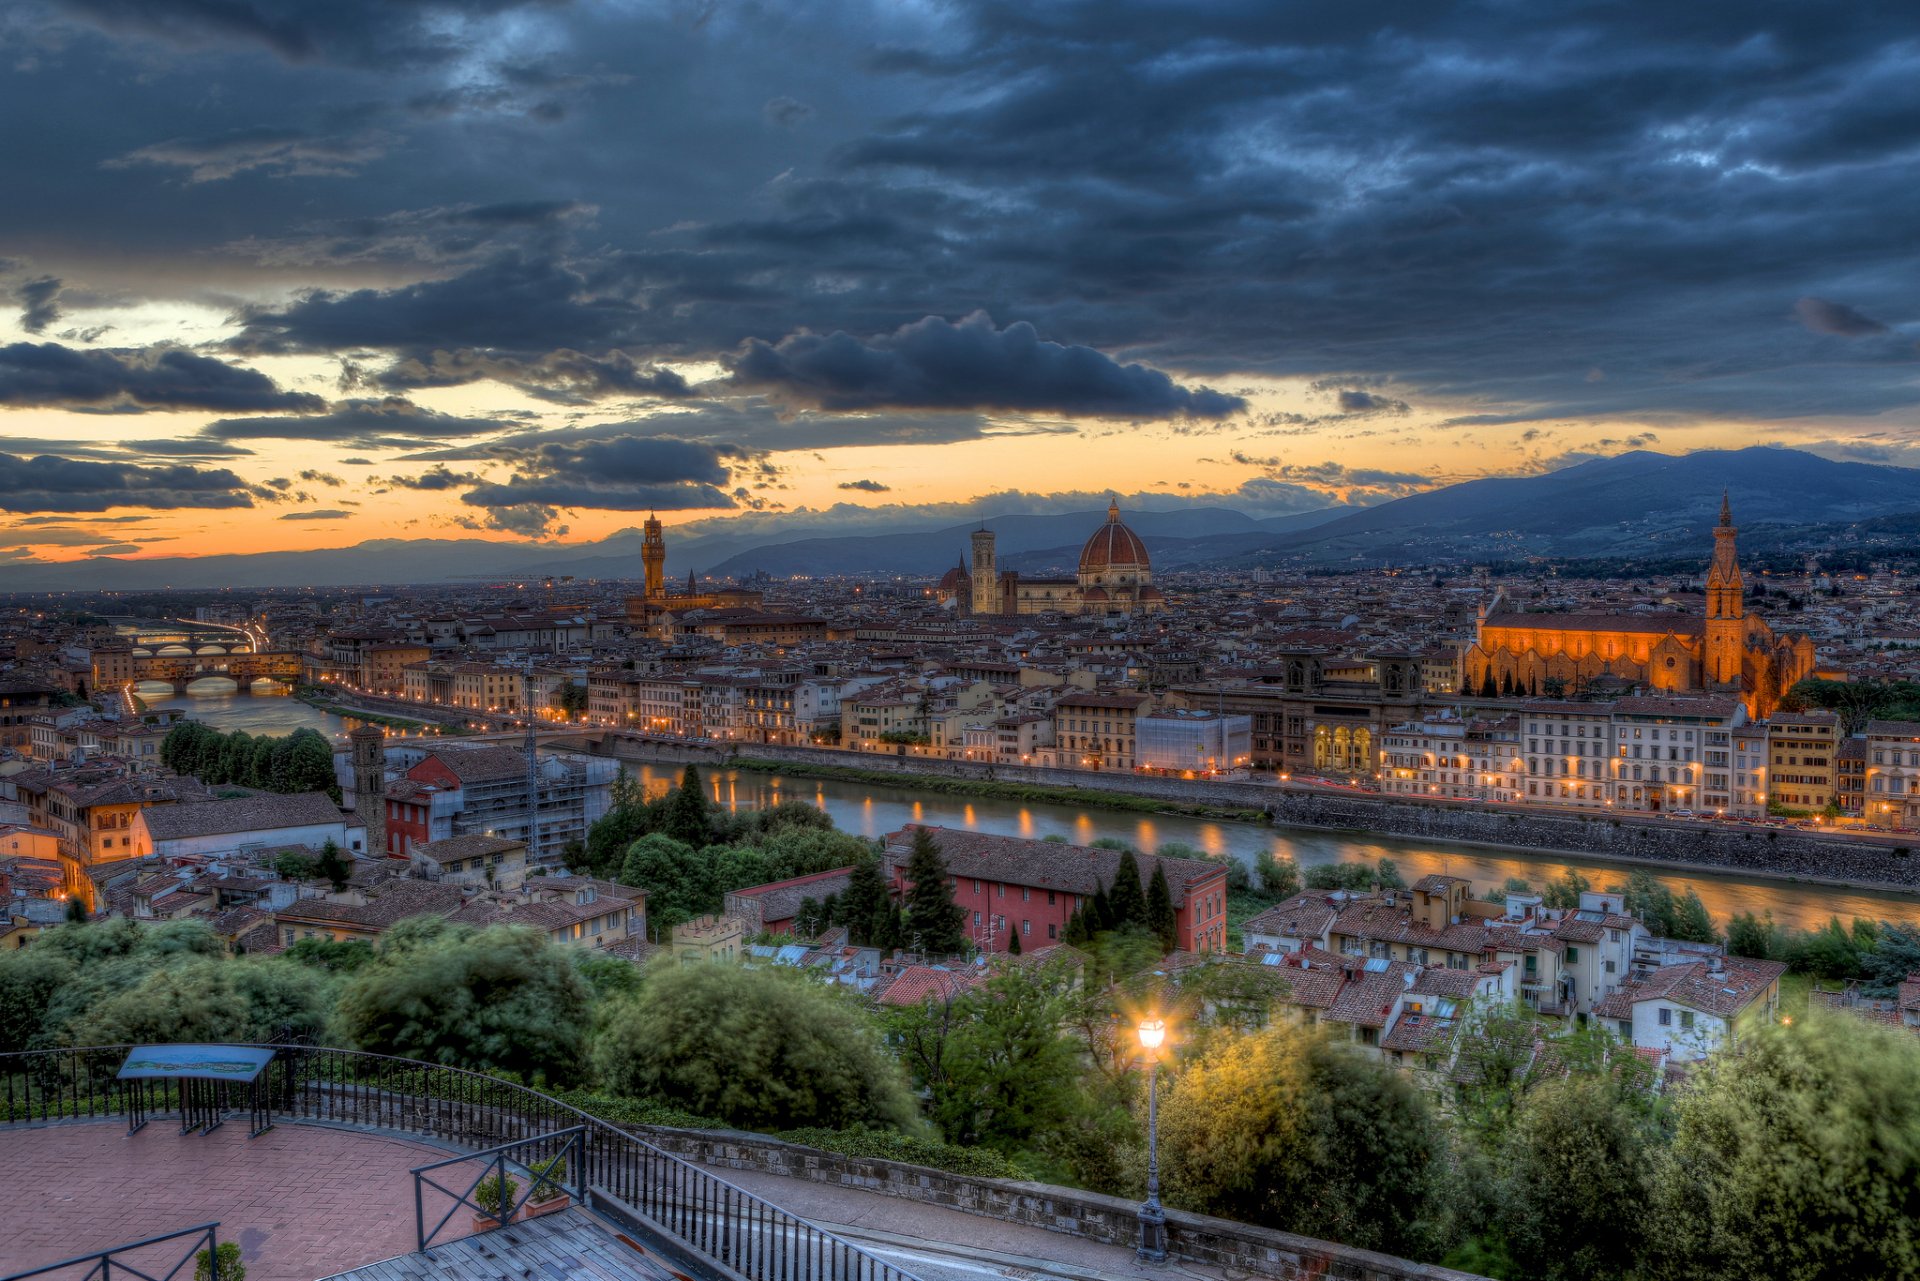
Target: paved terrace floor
(303, 1201)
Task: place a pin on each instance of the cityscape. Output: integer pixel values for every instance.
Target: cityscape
(905, 643)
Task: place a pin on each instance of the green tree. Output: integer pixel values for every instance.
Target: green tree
(1797, 1157)
(309, 765)
(1564, 890)
(1009, 1071)
(1160, 917)
(30, 979)
(1894, 956)
(1756, 936)
(333, 865)
(1276, 877)
(210, 999)
(1648, 898)
(1692, 922)
(1283, 1128)
(933, 919)
(1576, 1183)
(1386, 875)
(627, 819)
(1127, 897)
(294, 865)
(1340, 876)
(678, 881)
(759, 1048)
(500, 999)
(686, 816)
(335, 956)
(864, 905)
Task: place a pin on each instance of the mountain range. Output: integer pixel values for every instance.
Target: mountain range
(1634, 504)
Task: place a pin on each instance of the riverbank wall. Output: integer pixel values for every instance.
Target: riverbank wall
(1783, 853)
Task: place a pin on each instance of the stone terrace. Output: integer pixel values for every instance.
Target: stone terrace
(303, 1201)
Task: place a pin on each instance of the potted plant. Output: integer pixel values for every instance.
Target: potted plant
(231, 1269)
(494, 1195)
(548, 1193)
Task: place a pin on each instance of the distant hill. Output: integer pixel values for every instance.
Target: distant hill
(1637, 504)
(1021, 542)
(1630, 505)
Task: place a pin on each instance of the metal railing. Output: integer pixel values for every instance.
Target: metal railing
(753, 1238)
(106, 1264)
(538, 1169)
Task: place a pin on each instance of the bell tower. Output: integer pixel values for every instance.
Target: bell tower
(367, 748)
(653, 555)
(986, 583)
(1725, 633)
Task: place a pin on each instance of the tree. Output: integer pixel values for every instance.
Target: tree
(500, 999)
(1487, 689)
(1756, 936)
(1285, 1129)
(1797, 1157)
(933, 919)
(807, 918)
(210, 999)
(1008, 1072)
(30, 978)
(1894, 956)
(294, 865)
(1386, 875)
(626, 820)
(678, 881)
(1692, 922)
(1575, 1186)
(76, 910)
(1564, 890)
(686, 815)
(756, 1048)
(1650, 900)
(1340, 876)
(1127, 897)
(1279, 876)
(333, 865)
(1160, 917)
(864, 904)
(1013, 941)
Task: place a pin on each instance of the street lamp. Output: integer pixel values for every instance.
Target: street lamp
(1153, 1219)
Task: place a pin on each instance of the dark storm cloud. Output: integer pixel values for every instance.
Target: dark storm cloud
(936, 364)
(39, 305)
(1824, 317)
(46, 483)
(866, 486)
(378, 33)
(188, 448)
(1609, 211)
(317, 514)
(1359, 403)
(391, 420)
(618, 474)
(277, 153)
(435, 479)
(563, 377)
(136, 379)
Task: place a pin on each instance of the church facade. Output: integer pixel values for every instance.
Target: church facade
(1723, 650)
(1115, 576)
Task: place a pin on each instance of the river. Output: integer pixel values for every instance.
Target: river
(874, 811)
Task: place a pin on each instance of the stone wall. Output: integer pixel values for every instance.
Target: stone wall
(1109, 1220)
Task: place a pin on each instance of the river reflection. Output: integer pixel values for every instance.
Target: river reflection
(874, 811)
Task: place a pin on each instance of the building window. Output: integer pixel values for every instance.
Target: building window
(1686, 1020)
(1666, 1017)
(1026, 927)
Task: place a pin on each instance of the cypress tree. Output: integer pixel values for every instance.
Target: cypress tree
(686, 817)
(806, 919)
(1486, 686)
(1126, 900)
(1074, 933)
(334, 866)
(863, 907)
(830, 911)
(933, 919)
(1099, 913)
(1013, 941)
(1160, 918)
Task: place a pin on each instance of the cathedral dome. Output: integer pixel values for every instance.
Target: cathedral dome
(955, 579)
(1113, 547)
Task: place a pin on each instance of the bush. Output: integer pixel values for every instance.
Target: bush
(228, 1255)
(500, 999)
(1283, 1129)
(756, 1048)
(1798, 1156)
(494, 1194)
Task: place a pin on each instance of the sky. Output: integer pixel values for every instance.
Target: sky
(284, 274)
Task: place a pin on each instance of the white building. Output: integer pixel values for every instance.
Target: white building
(1686, 1012)
(1451, 758)
(1193, 742)
(263, 821)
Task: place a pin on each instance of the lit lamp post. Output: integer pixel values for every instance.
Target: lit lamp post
(1153, 1219)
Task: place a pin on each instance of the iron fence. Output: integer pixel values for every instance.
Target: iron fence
(753, 1238)
(107, 1264)
(552, 1158)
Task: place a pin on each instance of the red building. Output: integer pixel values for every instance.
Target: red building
(773, 907)
(1006, 884)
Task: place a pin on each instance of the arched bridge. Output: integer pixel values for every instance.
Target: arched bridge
(182, 670)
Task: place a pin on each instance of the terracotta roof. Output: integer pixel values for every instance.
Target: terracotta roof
(916, 983)
(454, 849)
(1304, 917)
(386, 905)
(1048, 865)
(1367, 1000)
(265, 812)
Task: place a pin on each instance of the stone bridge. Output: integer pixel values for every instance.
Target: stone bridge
(182, 670)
